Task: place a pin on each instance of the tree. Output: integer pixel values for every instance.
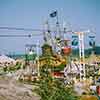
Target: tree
(49, 88)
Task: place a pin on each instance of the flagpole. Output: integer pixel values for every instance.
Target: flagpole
(57, 18)
(57, 25)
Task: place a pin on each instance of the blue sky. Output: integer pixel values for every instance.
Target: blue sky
(82, 14)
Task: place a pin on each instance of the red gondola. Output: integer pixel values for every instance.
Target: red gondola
(66, 50)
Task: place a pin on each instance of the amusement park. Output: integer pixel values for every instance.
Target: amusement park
(59, 66)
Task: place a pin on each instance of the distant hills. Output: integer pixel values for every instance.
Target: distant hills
(75, 52)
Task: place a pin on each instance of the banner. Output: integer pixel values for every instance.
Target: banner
(74, 40)
(91, 41)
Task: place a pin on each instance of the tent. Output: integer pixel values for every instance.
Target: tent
(6, 60)
(72, 68)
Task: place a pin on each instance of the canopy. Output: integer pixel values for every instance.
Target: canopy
(72, 68)
(6, 59)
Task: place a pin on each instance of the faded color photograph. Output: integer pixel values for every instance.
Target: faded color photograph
(49, 50)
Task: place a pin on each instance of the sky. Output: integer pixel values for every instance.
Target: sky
(77, 14)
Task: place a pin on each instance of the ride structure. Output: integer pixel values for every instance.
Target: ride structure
(57, 48)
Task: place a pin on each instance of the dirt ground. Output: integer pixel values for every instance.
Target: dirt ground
(11, 89)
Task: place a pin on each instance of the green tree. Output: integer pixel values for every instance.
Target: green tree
(49, 88)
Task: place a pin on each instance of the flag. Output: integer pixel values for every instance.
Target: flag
(74, 40)
(53, 14)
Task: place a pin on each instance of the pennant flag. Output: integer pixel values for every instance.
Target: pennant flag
(53, 14)
(74, 40)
